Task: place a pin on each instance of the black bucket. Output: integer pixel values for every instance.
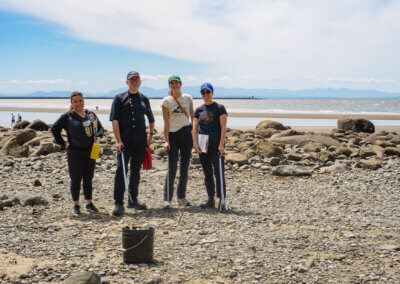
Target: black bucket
(138, 244)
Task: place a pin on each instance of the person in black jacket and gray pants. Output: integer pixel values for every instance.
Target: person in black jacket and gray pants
(83, 128)
(127, 114)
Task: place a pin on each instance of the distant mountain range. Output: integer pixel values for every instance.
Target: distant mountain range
(235, 93)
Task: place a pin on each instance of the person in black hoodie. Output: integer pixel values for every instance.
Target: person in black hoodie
(83, 129)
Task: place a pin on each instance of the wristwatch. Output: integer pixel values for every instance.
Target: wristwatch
(151, 133)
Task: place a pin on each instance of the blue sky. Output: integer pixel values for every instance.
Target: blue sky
(91, 45)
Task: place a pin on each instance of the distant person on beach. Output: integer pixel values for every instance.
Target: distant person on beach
(19, 118)
(83, 129)
(128, 113)
(177, 110)
(210, 120)
(12, 119)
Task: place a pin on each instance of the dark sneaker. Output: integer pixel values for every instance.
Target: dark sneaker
(91, 208)
(118, 210)
(183, 202)
(77, 209)
(209, 204)
(135, 204)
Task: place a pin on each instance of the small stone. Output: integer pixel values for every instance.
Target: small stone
(389, 247)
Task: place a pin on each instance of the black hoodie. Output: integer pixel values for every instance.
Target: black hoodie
(80, 130)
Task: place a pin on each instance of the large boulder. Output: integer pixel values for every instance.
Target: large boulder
(236, 158)
(286, 170)
(372, 164)
(356, 125)
(23, 136)
(39, 125)
(268, 149)
(365, 152)
(12, 148)
(21, 125)
(38, 140)
(271, 124)
(305, 139)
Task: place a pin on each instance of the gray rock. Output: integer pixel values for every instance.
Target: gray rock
(39, 125)
(356, 125)
(22, 124)
(160, 152)
(289, 170)
(365, 152)
(390, 247)
(35, 201)
(372, 164)
(325, 156)
(268, 149)
(236, 158)
(83, 278)
(271, 124)
(274, 161)
(294, 157)
(392, 151)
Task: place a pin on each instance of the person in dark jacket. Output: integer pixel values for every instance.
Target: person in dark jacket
(127, 114)
(210, 120)
(83, 129)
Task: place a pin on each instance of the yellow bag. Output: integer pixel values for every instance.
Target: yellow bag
(95, 151)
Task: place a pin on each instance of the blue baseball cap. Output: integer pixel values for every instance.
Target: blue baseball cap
(207, 86)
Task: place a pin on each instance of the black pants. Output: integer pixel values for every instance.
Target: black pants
(180, 143)
(133, 152)
(210, 163)
(81, 168)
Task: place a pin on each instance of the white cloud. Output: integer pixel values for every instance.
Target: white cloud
(222, 78)
(153, 77)
(334, 39)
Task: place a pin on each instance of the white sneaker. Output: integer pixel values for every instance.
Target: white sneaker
(183, 202)
(167, 205)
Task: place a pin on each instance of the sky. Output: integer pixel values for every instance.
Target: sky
(90, 46)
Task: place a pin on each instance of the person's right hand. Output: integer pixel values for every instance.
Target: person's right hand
(66, 145)
(166, 146)
(119, 146)
(197, 148)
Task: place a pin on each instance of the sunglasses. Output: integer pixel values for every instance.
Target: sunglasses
(203, 92)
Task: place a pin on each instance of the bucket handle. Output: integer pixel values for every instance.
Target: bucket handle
(132, 247)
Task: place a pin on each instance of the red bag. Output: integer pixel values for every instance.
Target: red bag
(147, 163)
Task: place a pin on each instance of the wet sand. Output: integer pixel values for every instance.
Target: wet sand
(237, 114)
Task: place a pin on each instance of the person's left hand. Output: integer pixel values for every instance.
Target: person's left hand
(221, 150)
(96, 138)
(149, 139)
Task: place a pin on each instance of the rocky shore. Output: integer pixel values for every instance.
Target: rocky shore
(305, 207)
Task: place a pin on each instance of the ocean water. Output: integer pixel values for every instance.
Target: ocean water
(328, 106)
(317, 106)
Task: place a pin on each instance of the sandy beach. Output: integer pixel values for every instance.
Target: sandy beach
(235, 114)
